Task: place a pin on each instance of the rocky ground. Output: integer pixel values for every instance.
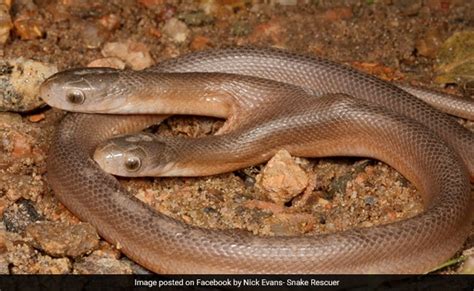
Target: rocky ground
(395, 40)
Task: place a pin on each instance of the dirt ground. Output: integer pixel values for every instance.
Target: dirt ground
(395, 40)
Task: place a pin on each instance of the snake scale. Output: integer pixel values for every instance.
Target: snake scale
(311, 114)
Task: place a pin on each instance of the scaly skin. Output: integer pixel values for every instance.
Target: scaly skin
(128, 92)
(305, 125)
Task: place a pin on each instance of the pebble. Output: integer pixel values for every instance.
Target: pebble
(272, 31)
(155, 32)
(247, 175)
(339, 185)
(200, 42)
(58, 13)
(409, 7)
(337, 14)
(28, 25)
(290, 223)
(167, 12)
(20, 80)
(93, 35)
(19, 215)
(111, 22)
(7, 121)
(5, 21)
(323, 202)
(468, 267)
(240, 28)
(428, 45)
(361, 178)
(36, 117)
(21, 258)
(370, 200)
(4, 268)
(438, 5)
(19, 149)
(83, 8)
(176, 30)
(287, 2)
(136, 269)
(135, 54)
(10, 120)
(196, 18)
(210, 6)
(4, 203)
(151, 3)
(264, 205)
(106, 249)
(16, 186)
(3, 240)
(110, 62)
(282, 179)
(59, 239)
(21, 144)
(53, 266)
(99, 263)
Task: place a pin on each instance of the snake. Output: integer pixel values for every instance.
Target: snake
(317, 108)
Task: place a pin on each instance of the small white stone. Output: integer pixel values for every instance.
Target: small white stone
(282, 178)
(22, 83)
(176, 30)
(134, 54)
(110, 62)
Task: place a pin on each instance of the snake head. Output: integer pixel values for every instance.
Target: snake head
(136, 155)
(81, 90)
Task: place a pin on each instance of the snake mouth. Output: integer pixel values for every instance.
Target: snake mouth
(172, 169)
(108, 158)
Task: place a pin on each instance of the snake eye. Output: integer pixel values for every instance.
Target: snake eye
(133, 164)
(76, 97)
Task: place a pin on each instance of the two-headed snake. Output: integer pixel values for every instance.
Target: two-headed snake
(433, 152)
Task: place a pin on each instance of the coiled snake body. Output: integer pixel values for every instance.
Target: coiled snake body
(294, 119)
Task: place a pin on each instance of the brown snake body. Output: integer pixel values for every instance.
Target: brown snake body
(343, 126)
